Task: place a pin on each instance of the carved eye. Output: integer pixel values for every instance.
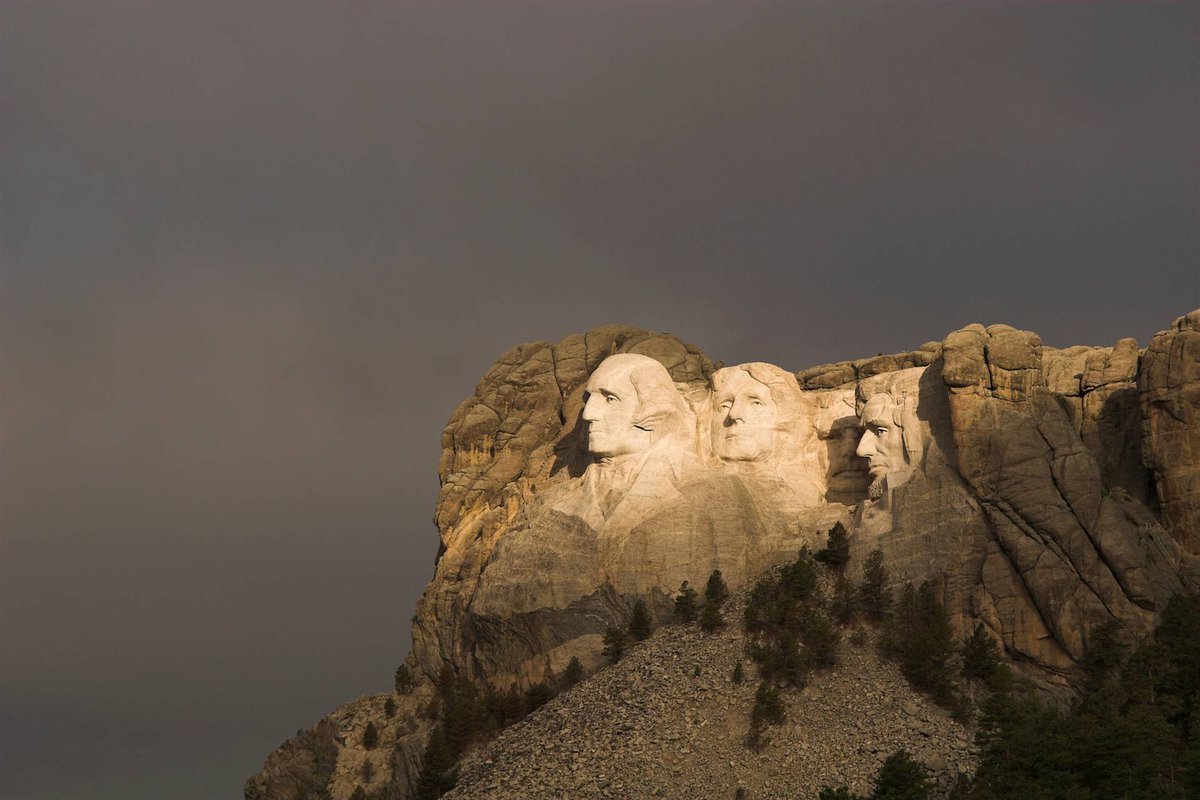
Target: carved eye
(725, 406)
(757, 402)
(881, 431)
(611, 398)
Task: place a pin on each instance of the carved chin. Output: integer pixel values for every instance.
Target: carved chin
(855, 481)
(734, 450)
(609, 446)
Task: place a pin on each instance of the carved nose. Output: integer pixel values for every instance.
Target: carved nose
(866, 445)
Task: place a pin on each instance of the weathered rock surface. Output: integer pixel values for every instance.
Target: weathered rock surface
(1043, 492)
(519, 431)
(1097, 387)
(1062, 553)
(1170, 403)
(846, 373)
(331, 760)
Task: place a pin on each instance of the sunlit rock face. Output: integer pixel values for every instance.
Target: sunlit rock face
(1043, 493)
(1169, 384)
(617, 464)
(676, 479)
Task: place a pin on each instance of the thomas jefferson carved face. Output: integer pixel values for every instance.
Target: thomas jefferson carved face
(882, 442)
(743, 422)
(630, 403)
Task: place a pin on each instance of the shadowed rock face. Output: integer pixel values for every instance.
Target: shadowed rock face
(1169, 382)
(1059, 553)
(1044, 492)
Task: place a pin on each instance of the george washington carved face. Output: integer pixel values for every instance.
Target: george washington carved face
(630, 403)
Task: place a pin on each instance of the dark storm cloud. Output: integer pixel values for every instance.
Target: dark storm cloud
(254, 255)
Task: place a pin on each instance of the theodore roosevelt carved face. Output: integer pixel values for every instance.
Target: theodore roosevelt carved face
(630, 402)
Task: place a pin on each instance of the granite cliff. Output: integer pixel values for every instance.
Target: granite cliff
(1043, 492)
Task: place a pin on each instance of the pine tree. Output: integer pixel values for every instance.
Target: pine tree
(798, 580)
(841, 605)
(837, 548)
(1191, 759)
(573, 674)
(710, 616)
(919, 637)
(685, 604)
(901, 778)
(716, 591)
(980, 657)
(464, 713)
(359, 793)
(404, 680)
(447, 682)
(1105, 652)
(820, 640)
(874, 594)
(768, 707)
(639, 621)
(370, 736)
(537, 696)
(614, 644)
(1179, 633)
(439, 772)
(840, 793)
(739, 674)
(389, 707)
(1131, 734)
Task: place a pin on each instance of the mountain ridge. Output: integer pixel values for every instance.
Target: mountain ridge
(1043, 491)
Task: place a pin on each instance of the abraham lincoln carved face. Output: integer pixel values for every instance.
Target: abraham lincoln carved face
(882, 442)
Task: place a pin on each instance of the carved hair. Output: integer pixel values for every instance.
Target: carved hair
(785, 391)
(886, 404)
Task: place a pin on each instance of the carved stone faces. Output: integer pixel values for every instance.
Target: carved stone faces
(656, 447)
(757, 413)
(609, 412)
(847, 478)
(882, 442)
(631, 402)
(743, 421)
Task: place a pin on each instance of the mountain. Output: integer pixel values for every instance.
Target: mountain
(1042, 493)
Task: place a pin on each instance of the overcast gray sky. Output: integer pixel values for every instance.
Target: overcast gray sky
(255, 253)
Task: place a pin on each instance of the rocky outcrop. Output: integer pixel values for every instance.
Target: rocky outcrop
(1067, 554)
(331, 758)
(1043, 492)
(519, 431)
(1170, 403)
(846, 373)
(1097, 387)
